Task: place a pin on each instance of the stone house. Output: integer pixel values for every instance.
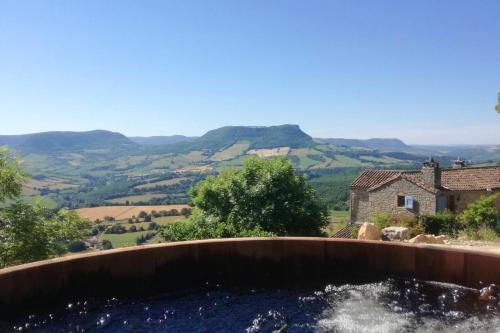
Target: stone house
(429, 190)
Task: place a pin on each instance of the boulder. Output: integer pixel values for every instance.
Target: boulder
(395, 233)
(368, 231)
(427, 239)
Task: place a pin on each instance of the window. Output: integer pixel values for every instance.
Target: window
(401, 200)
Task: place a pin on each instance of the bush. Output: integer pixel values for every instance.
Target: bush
(440, 223)
(116, 229)
(144, 238)
(481, 213)
(130, 221)
(77, 246)
(383, 220)
(106, 245)
(482, 234)
(142, 214)
(109, 218)
(147, 218)
(186, 211)
(201, 227)
(132, 229)
(153, 226)
(380, 220)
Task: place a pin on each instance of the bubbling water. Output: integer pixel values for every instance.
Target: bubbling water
(391, 305)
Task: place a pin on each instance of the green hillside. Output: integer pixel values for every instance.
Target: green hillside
(78, 169)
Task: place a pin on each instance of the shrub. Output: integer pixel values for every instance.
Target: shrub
(383, 220)
(440, 223)
(109, 218)
(142, 214)
(116, 229)
(186, 211)
(106, 245)
(147, 218)
(481, 213)
(77, 246)
(132, 229)
(409, 221)
(380, 220)
(153, 226)
(487, 234)
(130, 221)
(483, 234)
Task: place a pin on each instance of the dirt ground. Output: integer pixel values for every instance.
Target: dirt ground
(493, 247)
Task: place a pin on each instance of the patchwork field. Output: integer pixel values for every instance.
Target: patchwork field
(264, 153)
(122, 212)
(129, 238)
(49, 184)
(137, 198)
(166, 182)
(231, 152)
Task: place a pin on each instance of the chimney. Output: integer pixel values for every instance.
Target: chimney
(431, 173)
(458, 163)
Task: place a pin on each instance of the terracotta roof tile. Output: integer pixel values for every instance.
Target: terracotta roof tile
(466, 179)
(370, 178)
(469, 179)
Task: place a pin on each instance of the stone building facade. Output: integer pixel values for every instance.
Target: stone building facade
(429, 190)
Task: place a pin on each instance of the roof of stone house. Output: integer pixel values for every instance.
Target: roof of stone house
(470, 179)
(466, 179)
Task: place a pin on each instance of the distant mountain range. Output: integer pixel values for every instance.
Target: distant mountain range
(159, 140)
(75, 169)
(256, 137)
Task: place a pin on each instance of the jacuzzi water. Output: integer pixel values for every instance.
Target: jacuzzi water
(391, 305)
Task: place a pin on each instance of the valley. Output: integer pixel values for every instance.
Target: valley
(101, 168)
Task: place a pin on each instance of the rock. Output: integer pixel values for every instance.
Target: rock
(368, 231)
(395, 233)
(427, 239)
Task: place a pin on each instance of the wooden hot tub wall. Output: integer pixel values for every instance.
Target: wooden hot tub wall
(280, 262)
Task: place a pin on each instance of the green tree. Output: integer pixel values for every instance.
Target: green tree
(31, 232)
(264, 198)
(481, 213)
(265, 194)
(11, 176)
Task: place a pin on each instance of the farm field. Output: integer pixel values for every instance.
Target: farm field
(231, 152)
(124, 240)
(137, 198)
(128, 238)
(338, 220)
(166, 182)
(122, 212)
(265, 153)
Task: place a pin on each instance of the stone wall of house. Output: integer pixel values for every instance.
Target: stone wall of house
(463, 198)
(360, 208)
(385, 199)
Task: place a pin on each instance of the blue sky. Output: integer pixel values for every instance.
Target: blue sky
(423, 71)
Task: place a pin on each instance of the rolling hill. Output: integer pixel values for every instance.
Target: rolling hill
(51, 142)
(81, 169)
